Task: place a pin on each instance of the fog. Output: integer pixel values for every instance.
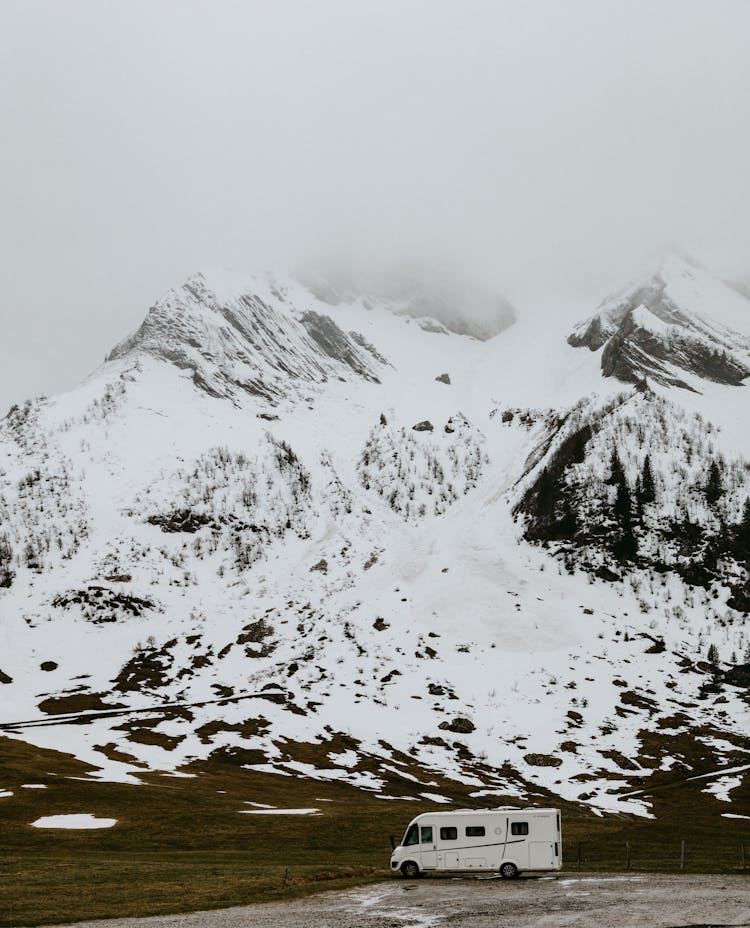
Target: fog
(549, 149)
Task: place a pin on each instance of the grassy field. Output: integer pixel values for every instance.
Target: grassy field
(180, 843)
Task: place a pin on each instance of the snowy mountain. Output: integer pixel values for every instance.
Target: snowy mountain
(679, 327)
(247, 339)
(322, 537)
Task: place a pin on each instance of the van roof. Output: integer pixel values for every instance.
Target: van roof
(495, 811)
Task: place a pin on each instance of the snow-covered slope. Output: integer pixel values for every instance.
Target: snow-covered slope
(269, 521)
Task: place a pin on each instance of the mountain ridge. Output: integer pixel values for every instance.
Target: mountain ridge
(357, 547)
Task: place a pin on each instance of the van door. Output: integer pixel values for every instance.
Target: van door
(517, 842)
(427, 847)
(542, 855)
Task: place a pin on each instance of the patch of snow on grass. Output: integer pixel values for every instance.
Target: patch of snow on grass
(272, 811)
(346, 759)
(78, 820)
(722, 786)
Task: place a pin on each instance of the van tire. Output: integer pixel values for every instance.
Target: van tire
(509, 871)
(409, 870)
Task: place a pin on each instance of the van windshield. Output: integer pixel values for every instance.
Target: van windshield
(411, 836)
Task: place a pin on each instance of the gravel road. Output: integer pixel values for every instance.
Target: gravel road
(580, 901)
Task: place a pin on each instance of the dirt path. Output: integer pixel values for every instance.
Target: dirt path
(580, 901)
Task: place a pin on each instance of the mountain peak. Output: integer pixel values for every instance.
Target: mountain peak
(679, 326)
(246, 336)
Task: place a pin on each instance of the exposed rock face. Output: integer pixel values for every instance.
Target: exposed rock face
(335, 344)
(652, 331)
(247, 341)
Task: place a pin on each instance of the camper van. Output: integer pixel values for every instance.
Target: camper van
(504, 841)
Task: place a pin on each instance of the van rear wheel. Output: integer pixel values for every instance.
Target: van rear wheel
(409, 869)
(509, 871)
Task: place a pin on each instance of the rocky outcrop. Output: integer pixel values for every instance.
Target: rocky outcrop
(247, 340)
(649, 331)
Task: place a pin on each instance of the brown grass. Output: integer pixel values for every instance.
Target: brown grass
(181, 844)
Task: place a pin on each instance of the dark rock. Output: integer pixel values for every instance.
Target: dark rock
(542, 760)
(460, 725)
(181, 520)
(443, 378)
(424, 426)
(434, 742)
(604, 573)
(48, 665)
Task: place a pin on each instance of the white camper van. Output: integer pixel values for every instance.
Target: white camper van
(504, 841)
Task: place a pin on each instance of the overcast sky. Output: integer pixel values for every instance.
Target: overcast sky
(549, 147)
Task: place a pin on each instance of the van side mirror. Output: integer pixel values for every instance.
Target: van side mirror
(393, 843)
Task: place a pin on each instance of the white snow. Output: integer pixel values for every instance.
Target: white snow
(721, 787)
(75, 821)
(643, 317)
(272, 811)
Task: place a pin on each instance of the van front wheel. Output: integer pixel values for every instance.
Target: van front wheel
(410, 870)
(509, 871)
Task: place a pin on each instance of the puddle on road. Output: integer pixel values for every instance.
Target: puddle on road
(604, 879)
(374, 903)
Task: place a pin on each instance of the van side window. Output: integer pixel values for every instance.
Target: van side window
(475, 831)
(412, 836)
(426, 834)
(448, 834)
(519, 828)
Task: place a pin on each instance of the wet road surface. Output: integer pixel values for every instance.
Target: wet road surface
(559, 901)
